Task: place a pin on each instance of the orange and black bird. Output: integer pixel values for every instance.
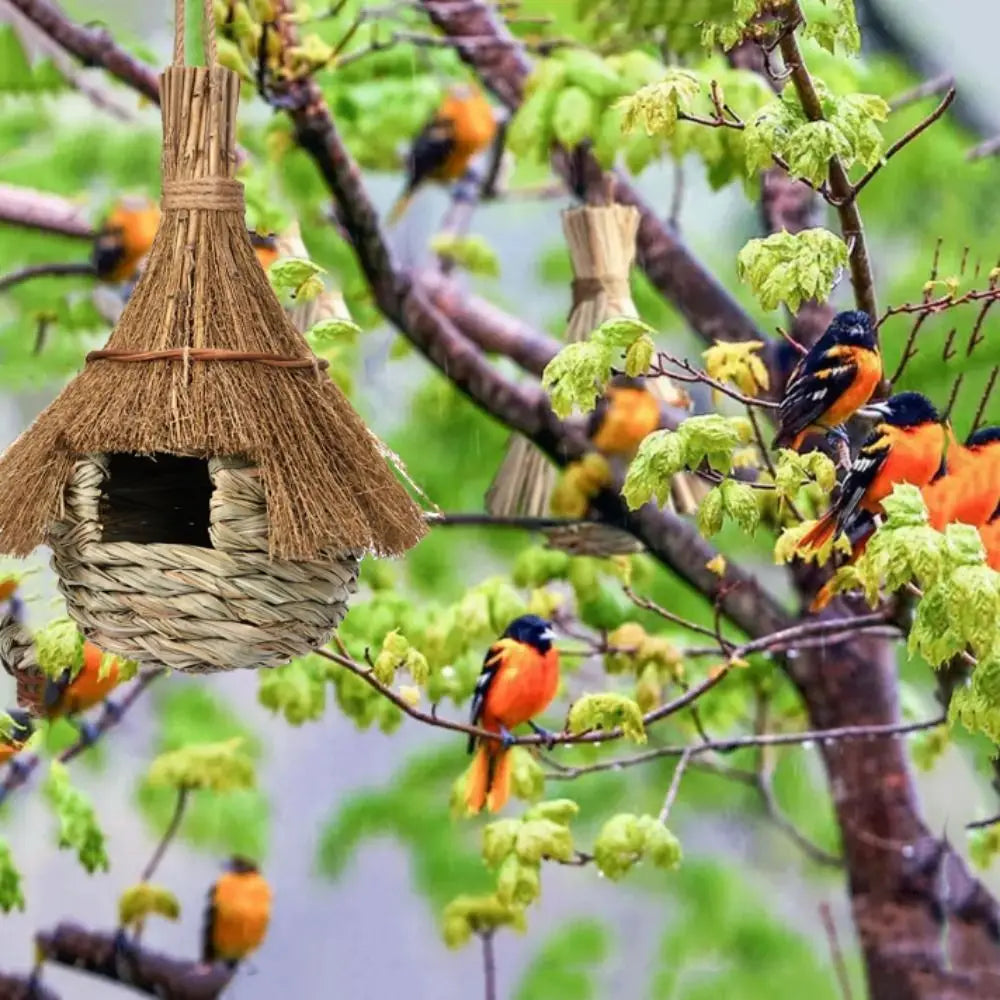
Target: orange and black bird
(15, 734)
(969, 490)
(990, 534)
(265, 247)
(65, 695)
(907, 445)
(462, 127)
(124, 240)
(237, 914)
(518, 681)
(624, 415)
(833, 380)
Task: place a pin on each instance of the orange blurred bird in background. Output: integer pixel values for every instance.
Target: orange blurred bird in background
(833, 380)
(67, 695)
(463, 126)
(14, 734)
(519, 679)
(265, 247)
(124, 239)
(906, 446)
(237, 915)
(624, 415)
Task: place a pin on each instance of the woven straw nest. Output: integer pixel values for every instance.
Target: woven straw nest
(206, 511)
(601, 239)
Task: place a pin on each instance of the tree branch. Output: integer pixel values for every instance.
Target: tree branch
(668, 263)
(24, 988)
(113, 957)
(35, 210)
(91, 46)
(840, 186)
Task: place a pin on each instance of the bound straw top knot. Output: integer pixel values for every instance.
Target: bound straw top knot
(210, 194)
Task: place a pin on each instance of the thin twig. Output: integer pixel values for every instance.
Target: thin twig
(901, 142)
(65, 270)
(928, 88)
(489, 966)
(988, 147)
(807, 737)
(836, 953)
(168, 835)
(675, 785)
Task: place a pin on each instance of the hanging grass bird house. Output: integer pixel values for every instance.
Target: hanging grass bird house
(206, 489)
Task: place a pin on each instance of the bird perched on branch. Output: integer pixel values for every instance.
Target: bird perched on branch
(518, 681)
(907, 445)
(833, 380)
(265, 247)
(124, 240)
(237, 914)
(624, 415)
(462, 127)
(67, 695)
(15, 734)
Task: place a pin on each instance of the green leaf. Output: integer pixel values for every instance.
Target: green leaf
(543, 838)
(661, 456)
(471, 253)
(220, 767)
(296, 278)
(832, 23)
(78, 827)
(518, 883)
(627, 839)
(498, 840)
(58, 647)
(654, 107)
(468, 915)
(574, 116)
(332, 333)
(984, 845)
(711, 512)
(639, 356)
(587, 70)
(560, 811)
(11, 894)
(297, 690)
(791, 268)
(144, 900)
(607, 710)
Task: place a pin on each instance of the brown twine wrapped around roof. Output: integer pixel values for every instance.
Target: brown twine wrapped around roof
(254, 395)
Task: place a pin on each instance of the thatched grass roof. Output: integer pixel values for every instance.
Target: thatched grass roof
(328, 487)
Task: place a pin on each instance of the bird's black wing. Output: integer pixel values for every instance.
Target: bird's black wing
(597, 416)
(865, 467)
(429, 151)
(812, 388)
(491, 664)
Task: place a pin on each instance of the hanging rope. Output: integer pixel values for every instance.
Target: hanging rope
(207, 31)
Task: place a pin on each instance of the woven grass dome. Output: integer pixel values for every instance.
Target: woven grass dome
(206, 489)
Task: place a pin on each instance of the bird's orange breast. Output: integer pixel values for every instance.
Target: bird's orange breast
(524, 685)
(631, 415)
(241, 912)
(88, 688)
(869, 374)
(914, 457)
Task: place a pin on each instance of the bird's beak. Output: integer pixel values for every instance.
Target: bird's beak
(548, 635)
(875, 411)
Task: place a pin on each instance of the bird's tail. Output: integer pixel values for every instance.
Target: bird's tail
(399, 208)
(823, 597)
(488, 783)
(814, 539)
